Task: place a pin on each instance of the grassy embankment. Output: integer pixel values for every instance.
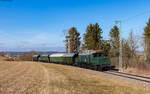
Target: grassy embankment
(43, 78)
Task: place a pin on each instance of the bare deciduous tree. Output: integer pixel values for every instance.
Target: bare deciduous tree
(129, 50)
(133, 43)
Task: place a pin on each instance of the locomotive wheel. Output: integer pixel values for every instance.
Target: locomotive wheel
(100, 68)
(96, 68)
(86, 66)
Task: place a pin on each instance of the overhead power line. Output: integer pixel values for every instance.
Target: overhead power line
(120, 51)
(133, 17)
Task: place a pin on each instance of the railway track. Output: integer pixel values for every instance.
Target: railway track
(130, 76)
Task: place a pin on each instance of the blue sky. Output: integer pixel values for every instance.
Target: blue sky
(39, 24)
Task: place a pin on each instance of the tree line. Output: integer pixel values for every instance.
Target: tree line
(93, 40)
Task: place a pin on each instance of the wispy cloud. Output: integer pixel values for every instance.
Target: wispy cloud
(26, 41)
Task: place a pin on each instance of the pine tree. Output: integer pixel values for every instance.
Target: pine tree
(106, 47)
(88, 37)
(93, 37)
(74, 40)
(147, 41)
(98, 36)
(114, 40)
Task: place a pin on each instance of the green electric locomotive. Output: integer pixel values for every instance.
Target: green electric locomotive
(95, 60)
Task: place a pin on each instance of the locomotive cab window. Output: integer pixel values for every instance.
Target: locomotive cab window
(97, 54)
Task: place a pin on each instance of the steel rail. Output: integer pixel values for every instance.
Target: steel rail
(131, 76)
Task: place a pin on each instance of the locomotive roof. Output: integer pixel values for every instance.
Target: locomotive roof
(62, 55)
(89, 52)
(57, 55)
(97, 51)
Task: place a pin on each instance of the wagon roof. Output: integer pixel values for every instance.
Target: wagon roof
(35, 55)
(69, 55)
(62, 55)
(57, 55)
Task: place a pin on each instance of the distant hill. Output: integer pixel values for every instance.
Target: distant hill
(18, 53)
(139, 52)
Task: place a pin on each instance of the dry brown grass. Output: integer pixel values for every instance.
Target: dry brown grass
(134, 65)
(2, 58)
(140, 69)
(70, 80)
(44, 78)
(21, 78)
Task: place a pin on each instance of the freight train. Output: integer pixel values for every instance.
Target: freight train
(94, 60)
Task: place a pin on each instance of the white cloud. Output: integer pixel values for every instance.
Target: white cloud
(30, 41)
